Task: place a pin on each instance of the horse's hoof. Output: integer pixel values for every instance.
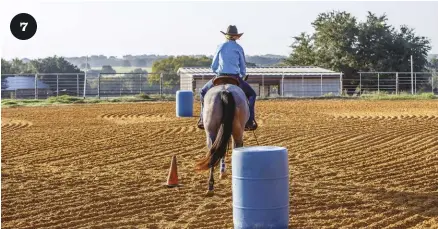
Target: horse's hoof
(210, 193)
(223, 175)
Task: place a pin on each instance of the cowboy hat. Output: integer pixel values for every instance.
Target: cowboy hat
(232, 31)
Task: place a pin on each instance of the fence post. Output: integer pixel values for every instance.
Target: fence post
(321, 85)
(57, 85)
(98, 86)
(431, 78)
(120, 86)
(161, 84)
(360, 83)
(282, 85)
(36, 87)
(378, 83)
(141, 74)
(85, 83)
(412, 83)
(263, 85)
(412, 75)
(203, 82)
(396, 83)
(415, 84)
(77, 85)
(302, 85)
(341, 83)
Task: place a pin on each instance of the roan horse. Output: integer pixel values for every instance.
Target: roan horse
(225, 114)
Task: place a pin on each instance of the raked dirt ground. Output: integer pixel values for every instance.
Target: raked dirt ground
(353, 164)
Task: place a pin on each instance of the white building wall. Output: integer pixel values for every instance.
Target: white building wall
(199, 84)
(310, 87)
(186, 82)
(293, 87)
(331, 85)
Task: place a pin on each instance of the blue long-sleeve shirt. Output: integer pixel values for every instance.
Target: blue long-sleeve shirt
(230, 59)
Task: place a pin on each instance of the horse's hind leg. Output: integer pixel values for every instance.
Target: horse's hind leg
(238, 128)
(238, 143)
(210, 191)
(223, 174)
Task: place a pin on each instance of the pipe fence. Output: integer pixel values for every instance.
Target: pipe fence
(391, 83)
(107, 85)
(103, 85)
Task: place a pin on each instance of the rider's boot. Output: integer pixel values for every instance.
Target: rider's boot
(251, 124)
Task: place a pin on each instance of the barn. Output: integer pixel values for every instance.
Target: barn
(273, 81)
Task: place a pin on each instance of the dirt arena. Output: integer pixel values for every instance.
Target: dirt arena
(353, 164)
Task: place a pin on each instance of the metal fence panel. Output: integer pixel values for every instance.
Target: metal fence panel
(125, 84)
(44, 85)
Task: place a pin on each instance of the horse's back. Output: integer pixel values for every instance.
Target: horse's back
(213, 108)
(238, 94)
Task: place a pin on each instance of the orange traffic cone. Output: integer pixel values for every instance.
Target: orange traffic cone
(172, 179)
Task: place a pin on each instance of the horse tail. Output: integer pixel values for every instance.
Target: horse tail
(219, 147)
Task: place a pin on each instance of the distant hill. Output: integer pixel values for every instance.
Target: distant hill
(146, 61)
(265, 60)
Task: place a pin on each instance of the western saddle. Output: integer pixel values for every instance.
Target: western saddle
(221, 80)
(224, 79)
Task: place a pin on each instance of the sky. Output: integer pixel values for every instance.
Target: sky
(79, 28)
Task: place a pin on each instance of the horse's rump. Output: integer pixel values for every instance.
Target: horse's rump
(221, 105)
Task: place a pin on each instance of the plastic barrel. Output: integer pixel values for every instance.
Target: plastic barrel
(260, 180)
(184, 103)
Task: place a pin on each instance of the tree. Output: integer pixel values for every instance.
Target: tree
(303, 51)
(408, 44)
(107, 69)
(56, 64)
(249, 64)
(82, 66)
(140, 62)
(139, 70)
(340, 43)
(6, 66)
(53, 65)
(5, 69)
(126, 63)
(374, 40)
(432, 66)
(264, 60)
(19, 67)
(46, 65)
(170, 66)
(133, 82)
(335, 41)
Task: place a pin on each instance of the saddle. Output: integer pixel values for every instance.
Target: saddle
(221, 80)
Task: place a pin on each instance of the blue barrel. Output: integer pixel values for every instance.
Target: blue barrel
(260, 179)
(184, 103)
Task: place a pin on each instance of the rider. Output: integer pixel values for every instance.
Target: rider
(229, 60)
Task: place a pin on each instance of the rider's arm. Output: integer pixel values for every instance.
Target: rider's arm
(215, 62)
(242, 63)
